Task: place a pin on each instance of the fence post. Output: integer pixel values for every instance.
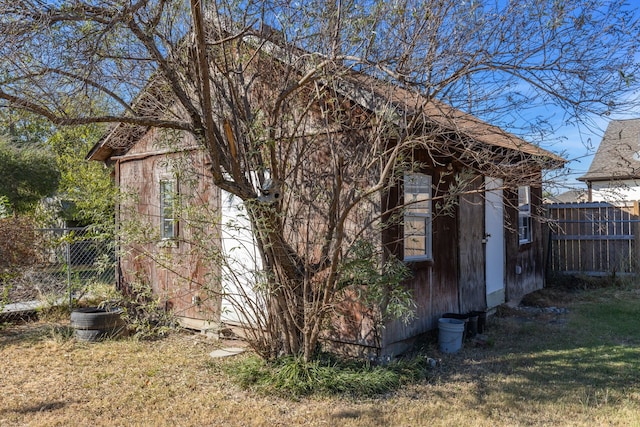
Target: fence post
(68, 261)
(636, 235)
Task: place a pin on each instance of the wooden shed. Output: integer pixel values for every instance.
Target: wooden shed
(468, 250)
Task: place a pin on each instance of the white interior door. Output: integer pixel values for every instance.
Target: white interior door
(494, 238)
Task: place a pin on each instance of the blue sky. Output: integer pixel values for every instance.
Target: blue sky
(578, 139)
(578, 144)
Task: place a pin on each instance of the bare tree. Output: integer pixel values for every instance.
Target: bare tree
(309, 109)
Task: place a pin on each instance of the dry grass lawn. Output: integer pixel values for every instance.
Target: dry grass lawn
(538, 370)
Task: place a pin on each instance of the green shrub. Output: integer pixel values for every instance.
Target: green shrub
(143, 312)
(20, 249)
(292, 377)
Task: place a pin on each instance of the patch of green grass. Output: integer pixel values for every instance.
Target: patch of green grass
(325, 376)
(613, 321)
(586, 360)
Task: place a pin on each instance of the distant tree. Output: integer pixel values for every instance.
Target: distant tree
(22, 127)
(85, 187)
(27, 174)
(85, 192)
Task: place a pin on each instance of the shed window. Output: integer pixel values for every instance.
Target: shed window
(168, 198)
(417, 217)
(524, 214)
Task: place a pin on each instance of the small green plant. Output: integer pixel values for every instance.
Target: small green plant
(4, 292)
(5, 207)
(98, 292)
(143, 312)
(378, 284)
(326, 375)
(61, 333)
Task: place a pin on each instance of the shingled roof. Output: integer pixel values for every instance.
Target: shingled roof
(441, 114)
(372, 94)
(618, 156)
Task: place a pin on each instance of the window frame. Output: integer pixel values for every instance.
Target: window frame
(418, 214)
(525, 221)
(168, 220)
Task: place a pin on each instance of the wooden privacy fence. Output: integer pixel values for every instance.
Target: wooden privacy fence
(593, 238)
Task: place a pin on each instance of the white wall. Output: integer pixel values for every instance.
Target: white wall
(617, 191)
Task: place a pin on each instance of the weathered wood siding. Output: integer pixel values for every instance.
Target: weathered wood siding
(524, 262)
(471, 249)
(178, 271)
(455, 280)
(434, 283)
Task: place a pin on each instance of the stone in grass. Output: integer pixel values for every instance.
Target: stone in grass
(226, 352)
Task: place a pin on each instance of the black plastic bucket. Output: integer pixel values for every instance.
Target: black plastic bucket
(472, 326)
(482, 320)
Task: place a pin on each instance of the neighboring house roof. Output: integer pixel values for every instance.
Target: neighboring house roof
(375, 96)
(570, 196)
(618, 156)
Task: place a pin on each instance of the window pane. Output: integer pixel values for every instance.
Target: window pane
(415, 236)
(417, 216)
(417, 193)
(524, 214)
(167, 229)
(417, 202)
(524, 195)
(167, 207)
(415, 226)
(417, 183)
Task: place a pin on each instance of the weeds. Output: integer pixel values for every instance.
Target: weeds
(327, 375)
(143, 313)
(61, 333)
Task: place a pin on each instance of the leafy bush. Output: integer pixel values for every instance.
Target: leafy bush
(5, 207)
(143, 312)
(20, 243)
(293, 377)
(378, 284)
(27, 174)
(20, 249)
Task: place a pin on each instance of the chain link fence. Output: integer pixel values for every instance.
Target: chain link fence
(70, 263)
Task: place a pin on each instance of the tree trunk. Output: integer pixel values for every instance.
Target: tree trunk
(285, 287)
